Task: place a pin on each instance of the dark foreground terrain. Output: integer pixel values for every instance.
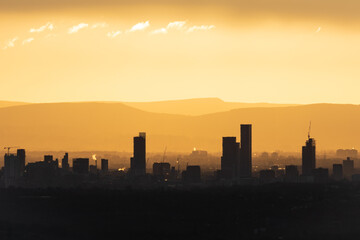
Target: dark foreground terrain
(263, 212)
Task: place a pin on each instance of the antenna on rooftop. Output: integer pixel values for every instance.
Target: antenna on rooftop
(309, 130)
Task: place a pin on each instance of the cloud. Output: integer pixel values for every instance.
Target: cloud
(76, 28)
(176, 25)
(99, 25)
(29, 40)
(48, 26)
(159, 31)
(113, 34)
(200, 28)
(140, 26)
(11, 43)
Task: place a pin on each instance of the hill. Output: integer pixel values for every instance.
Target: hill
(196, 106)
(111, 126)
(11, 104)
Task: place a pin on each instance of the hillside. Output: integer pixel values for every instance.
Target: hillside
(197, 106)
(111, 126)
(11, 104)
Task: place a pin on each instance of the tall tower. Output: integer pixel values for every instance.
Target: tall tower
(308, 157)
(21, 157)
(65, 162)
(138, 162)
(245, 164)
(230, 158)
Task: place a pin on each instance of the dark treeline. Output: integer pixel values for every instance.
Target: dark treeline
(273, 211)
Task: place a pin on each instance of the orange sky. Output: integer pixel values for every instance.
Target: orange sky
(280, 51)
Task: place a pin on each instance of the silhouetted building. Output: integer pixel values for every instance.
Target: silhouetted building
(230, 158)
(42, 174)
(245, 164)
(291, 173)
(321, 175)
(308, 157)
(192, 174)
(138, 162)
(161, 171)
(104, 165)
(348, 168)
(65, 162)
(338, 172)
(344, 153)
(21, 156)
(48, 158)
(12, 170)
(267, 176)
(81, 165)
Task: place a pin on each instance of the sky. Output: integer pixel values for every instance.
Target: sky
(279, 51)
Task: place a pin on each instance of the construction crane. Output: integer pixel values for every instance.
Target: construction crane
(309, 130)
(8, 149)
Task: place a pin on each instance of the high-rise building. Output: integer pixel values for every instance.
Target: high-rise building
(138, 161)
(21, 156)
(104, 165)
(65, 162)
(348, 168)
(12, 169)
(81, 165)
(338, 172)
(245, 164)
(308, 157)
(230, 158)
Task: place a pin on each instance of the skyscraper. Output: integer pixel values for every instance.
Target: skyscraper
(104, 165)
(138, 161)
(308, 157)
(338, 172)
(65, 162)
(12, 169)
(348, 168)
(230, 158)
(245, 164)
(21, 157)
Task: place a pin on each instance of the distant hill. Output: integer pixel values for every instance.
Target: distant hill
(11, 104)
(197, 106)
(111, 126)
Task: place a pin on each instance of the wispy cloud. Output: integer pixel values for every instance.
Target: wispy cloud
(140, 26)
(159, 31)
(47, 26)
(76, 28)
(200, 28)
(28, 40)
(99, 25)
(11, 43)
(113, 34)
(176, 25)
